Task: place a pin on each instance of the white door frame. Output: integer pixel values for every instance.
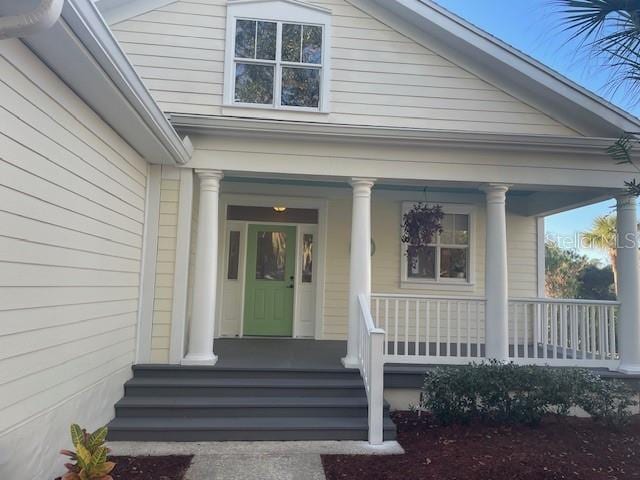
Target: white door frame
(319, 204)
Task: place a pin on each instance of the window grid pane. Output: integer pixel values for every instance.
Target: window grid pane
(312, 44)
(300, 87)
(454, 263)
(254, 83)
(291, 42)
(266, 33)
(245, 39)
(421, 262)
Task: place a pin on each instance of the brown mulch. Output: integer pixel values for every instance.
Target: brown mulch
(150, 468)
(567, 448)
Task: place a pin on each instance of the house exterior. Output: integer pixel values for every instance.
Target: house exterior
(184, 173)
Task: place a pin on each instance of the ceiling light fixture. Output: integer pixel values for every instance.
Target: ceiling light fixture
(280, 209)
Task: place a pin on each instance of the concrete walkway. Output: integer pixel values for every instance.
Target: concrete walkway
(254, 460)
(256, 467)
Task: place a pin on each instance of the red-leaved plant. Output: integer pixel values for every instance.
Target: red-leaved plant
(90, 457)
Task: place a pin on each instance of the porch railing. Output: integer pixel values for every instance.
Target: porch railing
(430, 329)
(395, 328)
(371, 364)
(420, 329)
(563, 332)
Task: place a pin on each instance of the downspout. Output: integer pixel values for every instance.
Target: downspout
(40, 18)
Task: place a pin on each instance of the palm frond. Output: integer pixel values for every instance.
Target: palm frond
(633, 187)
(620, 151)
(602, 234)
(609, 30)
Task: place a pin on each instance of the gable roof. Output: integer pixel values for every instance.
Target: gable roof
(504, 66)
(482, 54)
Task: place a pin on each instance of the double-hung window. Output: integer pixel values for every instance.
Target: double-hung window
(276, 63)
(447, 259)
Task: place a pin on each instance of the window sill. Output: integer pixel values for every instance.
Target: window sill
(236, 110)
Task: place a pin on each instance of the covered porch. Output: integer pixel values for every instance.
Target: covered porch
(475, 317)
(354, 300)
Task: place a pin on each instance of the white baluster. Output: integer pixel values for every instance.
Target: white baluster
(417, 347)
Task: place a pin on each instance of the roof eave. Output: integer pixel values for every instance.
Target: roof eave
(81, 49)
(508, 68)
(453, 139)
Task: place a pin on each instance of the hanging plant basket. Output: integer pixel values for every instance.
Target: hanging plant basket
(420, 225)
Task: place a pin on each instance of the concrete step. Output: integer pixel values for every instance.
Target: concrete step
(239, 387)
(243, 429)
(230, 407)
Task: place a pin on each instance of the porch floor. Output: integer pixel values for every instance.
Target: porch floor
(284, 353)
(288, 353)
(310, 354)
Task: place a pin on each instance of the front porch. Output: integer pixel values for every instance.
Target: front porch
(479, 298)
(320, 262)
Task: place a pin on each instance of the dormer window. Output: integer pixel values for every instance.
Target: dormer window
(274, 61)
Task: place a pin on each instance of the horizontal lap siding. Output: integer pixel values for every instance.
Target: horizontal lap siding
(165, 266)
(379, 76)
(72, 199)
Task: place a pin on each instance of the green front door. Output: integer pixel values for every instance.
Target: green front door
(268, 297)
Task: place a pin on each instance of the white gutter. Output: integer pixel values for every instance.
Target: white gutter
(40, 18)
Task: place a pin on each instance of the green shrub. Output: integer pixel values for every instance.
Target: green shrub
(508, 393)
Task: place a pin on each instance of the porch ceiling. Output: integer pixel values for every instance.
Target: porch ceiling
(527, 200)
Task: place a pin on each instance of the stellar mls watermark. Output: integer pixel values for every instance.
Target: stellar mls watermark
(579, 241)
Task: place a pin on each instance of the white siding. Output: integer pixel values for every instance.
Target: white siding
(167, 234)
(379, 76)
(72, 199)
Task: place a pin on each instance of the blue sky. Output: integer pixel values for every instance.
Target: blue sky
(533, 26)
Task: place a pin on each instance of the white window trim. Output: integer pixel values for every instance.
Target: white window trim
(448, 283)
(287, 11)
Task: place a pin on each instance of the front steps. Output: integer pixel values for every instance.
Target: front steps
(186, 404)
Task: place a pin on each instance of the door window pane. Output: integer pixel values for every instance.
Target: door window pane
(234, 255)
(421, 262)
(254, 83)
(312, 44)
(271, 256)
(307, 258)
(301, 87)
(453, 263)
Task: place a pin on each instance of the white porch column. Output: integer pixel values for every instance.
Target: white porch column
(628, 285)
(496, 279)
(201, 328)
(360, 264)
